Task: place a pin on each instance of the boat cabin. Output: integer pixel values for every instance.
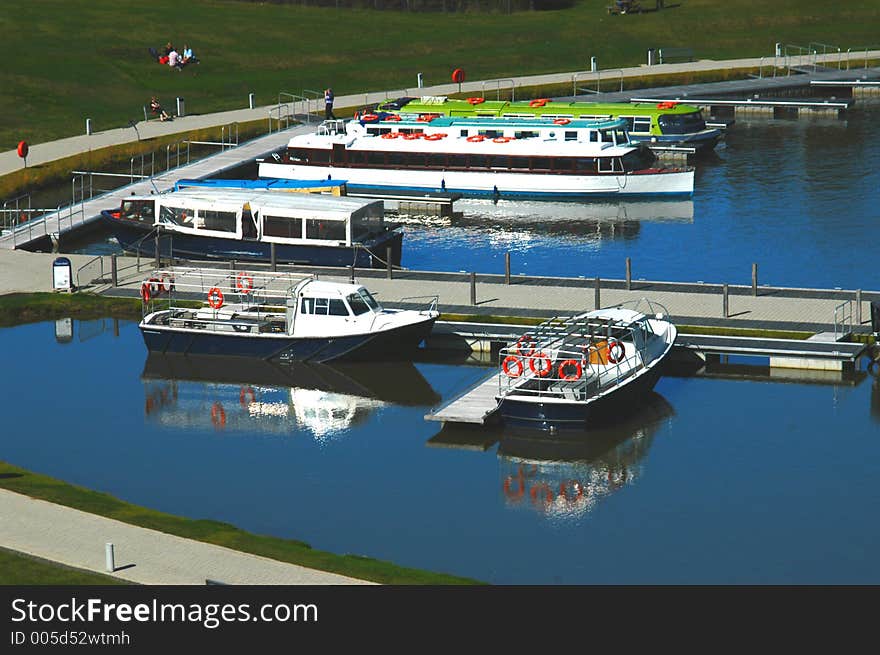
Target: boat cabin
(268, 216)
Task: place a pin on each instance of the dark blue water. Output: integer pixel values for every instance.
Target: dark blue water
(730, 477)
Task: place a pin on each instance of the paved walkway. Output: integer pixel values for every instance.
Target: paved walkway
(45, 152)
(69, 536)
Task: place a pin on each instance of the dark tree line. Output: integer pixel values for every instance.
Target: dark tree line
(451, 6)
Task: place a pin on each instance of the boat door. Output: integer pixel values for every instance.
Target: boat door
(338, 155)
(248, 223)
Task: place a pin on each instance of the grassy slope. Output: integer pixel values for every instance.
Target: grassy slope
(65, 61)
(19, 569)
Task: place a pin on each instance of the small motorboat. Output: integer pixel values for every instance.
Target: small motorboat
(571, 372)
(276, 316)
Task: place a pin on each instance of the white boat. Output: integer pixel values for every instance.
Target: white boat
(252, 224)
(491, 157)
(276, 316)
(571, 372)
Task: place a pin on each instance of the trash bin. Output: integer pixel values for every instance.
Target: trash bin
(651, 59)
(62, 274)
(180, 108)
(875, 317)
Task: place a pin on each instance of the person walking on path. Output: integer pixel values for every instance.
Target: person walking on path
(328, 104)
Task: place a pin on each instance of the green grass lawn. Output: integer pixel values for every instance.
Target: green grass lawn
(19, 569)
(66, 61)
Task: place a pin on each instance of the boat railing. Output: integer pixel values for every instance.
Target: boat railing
(498, 84)
(432, 305)
(575, 372)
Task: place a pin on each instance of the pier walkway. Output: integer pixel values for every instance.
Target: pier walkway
(142, 556)
(45, 152)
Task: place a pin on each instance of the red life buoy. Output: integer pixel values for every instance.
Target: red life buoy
(476, 138)
(22, 149)
(502, 139)
(542, 488)
(215, 297)
(561, 121)
(434, 137)
(391, 135)
(541, 370)
(244, 282)
(218, 415)
(476, 101)
(525, 345)
(458, 76)
(512, 366)
(616, 351)
(247, 396)
(393, 117)
(145, 292)
(510, 492)
(538, 102)
(412, 136)
(369, 118)
(574, 375)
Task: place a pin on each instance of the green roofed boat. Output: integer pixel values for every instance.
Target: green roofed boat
(660, 125)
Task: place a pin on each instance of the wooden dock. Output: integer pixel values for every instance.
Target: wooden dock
(475, 406)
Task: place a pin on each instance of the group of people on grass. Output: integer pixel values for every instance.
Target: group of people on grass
(174, 58)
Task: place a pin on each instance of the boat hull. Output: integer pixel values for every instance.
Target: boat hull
(491, 184)
(555, 416)
(134, 237)
(391, 344)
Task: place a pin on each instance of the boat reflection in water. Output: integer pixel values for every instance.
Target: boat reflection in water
(243, 394)
(565, 478)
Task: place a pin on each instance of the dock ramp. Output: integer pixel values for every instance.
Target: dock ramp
(477, 405)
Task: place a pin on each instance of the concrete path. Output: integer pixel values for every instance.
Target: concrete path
(45, 152)
(69, 536)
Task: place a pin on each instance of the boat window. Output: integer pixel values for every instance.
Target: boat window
(248, 225)
(585, 165)
(606, 164)
(681, 123)
(635, 160)
(376, 158)
(305, 306)
(319, 156)
(282, 226)
(519, 162)
(594, 136)
(457, 161)
(138, 210)
(372, 303)
(437, 160)
(621, 137)
(499, 161)
(325, 307)
(463, 133)
(396, 159)
(491, 134)
(297, 154)
(217, 220)
(317, 228)
(526, 134)
(641, 124)
(176, 216)
(571, 135)
(478, 161)
(358, 304)
(607, 136)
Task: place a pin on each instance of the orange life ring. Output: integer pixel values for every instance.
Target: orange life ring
(502, 139)
(145, 292)
(434, 137)
(616, 351)
(538, 102)
(215, 297)
(476, 138)
(412, 136)
(391, 135)
(247, 396)
(525, 345)
(512, 366)
(427, 118)
(244, 282)
(393, 118)
(571, 377)
(167, 283)
(369, 118)
(561, 121)
(476, 101)
(218, 415)
(542, 487)
(519, 492)
(542, 371)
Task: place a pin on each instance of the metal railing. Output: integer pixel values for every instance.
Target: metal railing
(576, 90)
(176, 147)
(498, 84)
(280, 114)
(92, 272)
(843, 319)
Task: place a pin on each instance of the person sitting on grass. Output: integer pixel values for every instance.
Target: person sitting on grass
(188, 56)
(156, 108)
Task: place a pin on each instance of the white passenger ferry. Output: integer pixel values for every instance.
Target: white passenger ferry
(493, 157)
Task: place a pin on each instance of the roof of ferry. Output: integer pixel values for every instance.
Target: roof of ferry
(489, 122)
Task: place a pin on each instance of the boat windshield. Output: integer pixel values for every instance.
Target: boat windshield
(138, 210)
(636, 160)
(371, 302)
(681, 123)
